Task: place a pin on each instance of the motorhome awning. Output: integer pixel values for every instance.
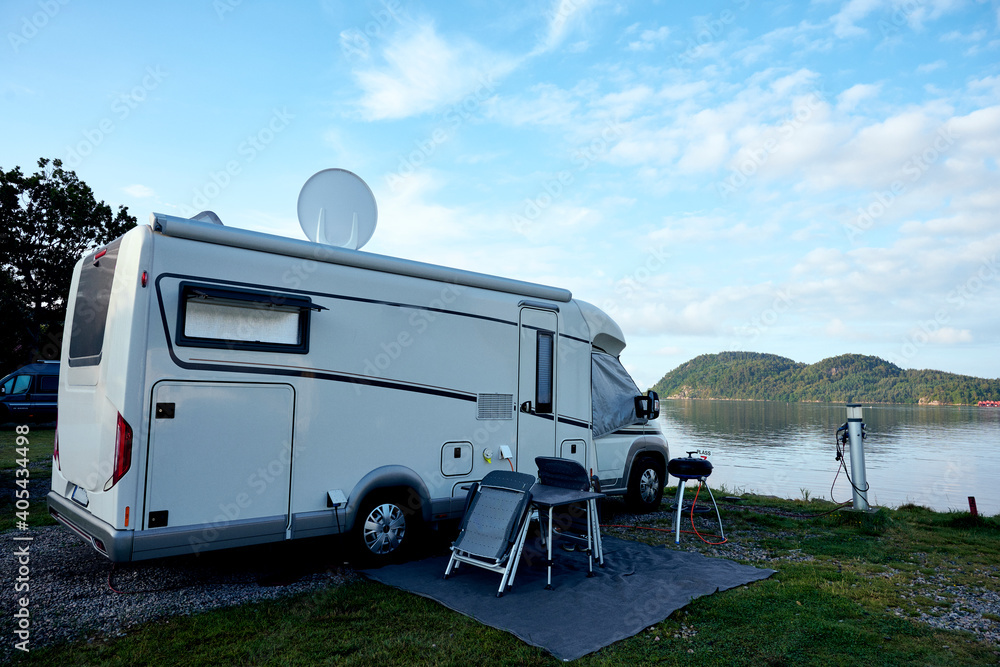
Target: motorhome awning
(207, 232)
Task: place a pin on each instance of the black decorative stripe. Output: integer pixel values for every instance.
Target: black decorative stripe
(573, 422)
(292, 372)
(341, 297)
(562, 420)
(534, 328)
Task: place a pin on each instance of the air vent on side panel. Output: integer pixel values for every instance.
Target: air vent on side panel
(496, 406)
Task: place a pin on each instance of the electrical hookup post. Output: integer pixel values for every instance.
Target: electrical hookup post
(856, 436)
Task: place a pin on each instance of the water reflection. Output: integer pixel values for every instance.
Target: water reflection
(930, 455)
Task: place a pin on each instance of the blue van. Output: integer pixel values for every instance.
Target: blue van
(29, 394)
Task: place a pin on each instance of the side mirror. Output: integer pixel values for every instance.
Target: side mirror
(3, 391)
(648, 406)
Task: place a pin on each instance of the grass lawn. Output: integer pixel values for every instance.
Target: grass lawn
(849, 590)
(40, 441)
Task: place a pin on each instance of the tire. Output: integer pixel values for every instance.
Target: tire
(386, 530)
(645, 485)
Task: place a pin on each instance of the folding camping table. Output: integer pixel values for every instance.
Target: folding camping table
(547, 498)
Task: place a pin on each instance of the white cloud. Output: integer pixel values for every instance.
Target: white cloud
(545, 104)
(708, 151)
(892, 15)
(140, 191)
(563, 14)
(850, 98)
(851, 13)
(420, 71)
(926, 68)
(649, 39)
(707, 229)
(836, 328)
(959, 36)
(626, 103)
(675, 92)
(946, 335)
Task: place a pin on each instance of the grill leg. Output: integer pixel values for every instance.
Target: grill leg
(718, 516)
(680, 506)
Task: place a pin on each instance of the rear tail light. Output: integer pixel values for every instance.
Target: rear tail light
(123, 451)
(55, 452)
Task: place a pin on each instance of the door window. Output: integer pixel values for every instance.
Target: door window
(543, 374)
(21, 384)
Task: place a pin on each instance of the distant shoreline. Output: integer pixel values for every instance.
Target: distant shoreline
(852, 378)
(930, 404)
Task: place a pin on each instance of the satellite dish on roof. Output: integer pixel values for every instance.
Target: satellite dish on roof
(337, 208)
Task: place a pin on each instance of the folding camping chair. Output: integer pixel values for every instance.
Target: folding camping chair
(495, 525)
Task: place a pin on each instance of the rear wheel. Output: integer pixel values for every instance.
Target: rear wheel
(386, 530)
(645, 485)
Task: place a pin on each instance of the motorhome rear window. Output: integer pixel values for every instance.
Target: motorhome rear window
(243, 320)
(90, 309)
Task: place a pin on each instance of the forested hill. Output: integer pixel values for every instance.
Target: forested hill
(844, 379)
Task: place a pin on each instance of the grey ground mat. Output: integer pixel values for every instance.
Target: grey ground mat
(639, 586)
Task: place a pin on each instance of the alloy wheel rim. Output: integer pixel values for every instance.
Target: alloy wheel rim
(384, 529)
(647, 485)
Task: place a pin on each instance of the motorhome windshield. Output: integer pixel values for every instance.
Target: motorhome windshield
(90, 311)
(614, 393)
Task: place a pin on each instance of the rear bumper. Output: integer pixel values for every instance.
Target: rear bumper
(115, 545)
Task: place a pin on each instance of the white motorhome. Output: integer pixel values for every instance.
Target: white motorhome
(222, 387)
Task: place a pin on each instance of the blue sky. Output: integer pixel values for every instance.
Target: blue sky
(804, 179)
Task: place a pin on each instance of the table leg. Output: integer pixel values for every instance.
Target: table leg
(590, 542)
(597, 534)
(548, 583)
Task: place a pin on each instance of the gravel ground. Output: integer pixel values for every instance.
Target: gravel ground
(70, 597)
(957, 607)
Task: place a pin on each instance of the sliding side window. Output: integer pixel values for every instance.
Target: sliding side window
(243, 320)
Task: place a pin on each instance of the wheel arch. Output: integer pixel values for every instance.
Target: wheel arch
(647, 446)
(388, 479)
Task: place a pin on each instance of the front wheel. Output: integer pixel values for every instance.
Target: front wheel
(645, 485)
(385, 530)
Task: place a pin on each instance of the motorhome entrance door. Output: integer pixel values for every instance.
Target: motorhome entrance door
(536, 387)
(220, 454)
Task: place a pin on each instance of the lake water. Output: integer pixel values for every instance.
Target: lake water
(936, 456)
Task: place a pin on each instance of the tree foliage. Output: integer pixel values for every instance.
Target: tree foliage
(842, 379)
(48, 220)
